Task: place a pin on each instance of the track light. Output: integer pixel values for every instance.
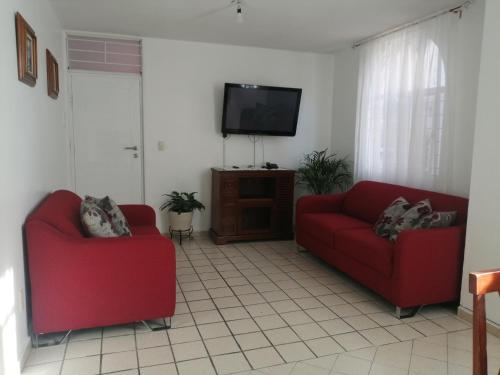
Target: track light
(239, 12)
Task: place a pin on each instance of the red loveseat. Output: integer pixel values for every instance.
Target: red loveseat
(78, 282)
(421, 267)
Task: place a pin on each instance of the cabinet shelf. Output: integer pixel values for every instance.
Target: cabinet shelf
(255, 201)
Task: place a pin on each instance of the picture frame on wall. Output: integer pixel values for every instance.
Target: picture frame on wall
(27, 59)
(52, 76)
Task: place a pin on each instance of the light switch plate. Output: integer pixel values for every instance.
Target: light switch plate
(161, 146)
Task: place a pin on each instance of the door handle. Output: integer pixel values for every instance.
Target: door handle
(134, 148)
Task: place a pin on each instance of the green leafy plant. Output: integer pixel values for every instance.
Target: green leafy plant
(182, 202)
(322, 173)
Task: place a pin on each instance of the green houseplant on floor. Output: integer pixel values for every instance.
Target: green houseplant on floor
(321, 173)
(180, 209)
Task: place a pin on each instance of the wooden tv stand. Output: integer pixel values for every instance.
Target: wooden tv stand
(251, 204)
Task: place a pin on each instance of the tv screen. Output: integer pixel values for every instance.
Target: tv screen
(252, 109)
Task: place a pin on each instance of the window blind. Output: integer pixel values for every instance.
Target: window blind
(104, 54)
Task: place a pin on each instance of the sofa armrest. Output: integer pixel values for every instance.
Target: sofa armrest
(319, 203)
(139, 214)
(428, 264)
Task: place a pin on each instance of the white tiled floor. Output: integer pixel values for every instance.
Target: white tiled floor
(266, 309)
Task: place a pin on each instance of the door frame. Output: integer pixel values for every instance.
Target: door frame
(71, 128)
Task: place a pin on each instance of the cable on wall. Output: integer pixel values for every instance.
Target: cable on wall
(262, 145)
(254, 139)
(224, 139)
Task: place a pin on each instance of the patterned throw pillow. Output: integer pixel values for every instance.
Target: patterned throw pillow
(387, 219)
(438, 219)
(95, 220)
(118, 219)
(115, 215)
(411, 218)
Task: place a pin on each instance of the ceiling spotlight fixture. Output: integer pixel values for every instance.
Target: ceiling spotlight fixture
(239, 10)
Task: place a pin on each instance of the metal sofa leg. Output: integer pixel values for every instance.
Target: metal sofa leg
(158, 327)
(402, 313)
(35, 340)
(301, 249)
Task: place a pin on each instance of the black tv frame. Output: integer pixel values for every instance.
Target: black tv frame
(226, 131)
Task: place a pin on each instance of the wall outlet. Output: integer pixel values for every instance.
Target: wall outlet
(22, 299)
(161, 146)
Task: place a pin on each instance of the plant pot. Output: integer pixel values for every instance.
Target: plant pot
(180, 221)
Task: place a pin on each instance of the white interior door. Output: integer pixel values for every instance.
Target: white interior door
(107, 136)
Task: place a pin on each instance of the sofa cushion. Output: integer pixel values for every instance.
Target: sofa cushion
(116, 216)
(144, 230)
(411, 218)
(387, 219)
(95, 220)
(437, 219)
(323, 226)
(367, 248)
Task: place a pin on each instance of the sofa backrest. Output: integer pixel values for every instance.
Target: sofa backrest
(61, 210)
(368, 199)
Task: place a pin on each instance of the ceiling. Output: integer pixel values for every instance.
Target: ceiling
(303, 25)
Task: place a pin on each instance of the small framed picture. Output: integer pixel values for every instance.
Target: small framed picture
(27, 63)
(52, 76)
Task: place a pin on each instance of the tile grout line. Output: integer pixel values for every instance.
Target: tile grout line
(64, 356)
(242, 305)
(137, 351)
(411, 356)
(301, 309)
(279, 314)
(195, 324)
(251, 316)
(280, 289)
(272, 307)
(101, 356)
(236, 296)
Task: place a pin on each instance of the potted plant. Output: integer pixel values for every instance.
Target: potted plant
(180, 209)
(322, 173)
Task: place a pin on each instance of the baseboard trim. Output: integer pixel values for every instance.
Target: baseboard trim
(466, 314)
(26, 354)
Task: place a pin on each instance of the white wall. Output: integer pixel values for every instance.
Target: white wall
(483, 242)
(183, 91)
(346, 86)
(32, 159)
(345, 102)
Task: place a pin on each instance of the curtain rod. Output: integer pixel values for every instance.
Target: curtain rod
(458, 10)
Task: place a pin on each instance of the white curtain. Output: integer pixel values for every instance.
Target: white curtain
(406, 96)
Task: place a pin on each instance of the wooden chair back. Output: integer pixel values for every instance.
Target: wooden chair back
(480, 284)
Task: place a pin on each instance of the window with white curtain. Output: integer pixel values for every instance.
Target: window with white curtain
(405, 110)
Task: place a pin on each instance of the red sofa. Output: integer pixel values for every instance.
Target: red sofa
(421, 267)
(78, 282)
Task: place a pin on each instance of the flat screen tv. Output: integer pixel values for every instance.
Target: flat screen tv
(252, 109)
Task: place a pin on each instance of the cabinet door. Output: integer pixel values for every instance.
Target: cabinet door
(229, 190)
(256, 218)
(229, 209)
(229, 219)
(284, 204)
